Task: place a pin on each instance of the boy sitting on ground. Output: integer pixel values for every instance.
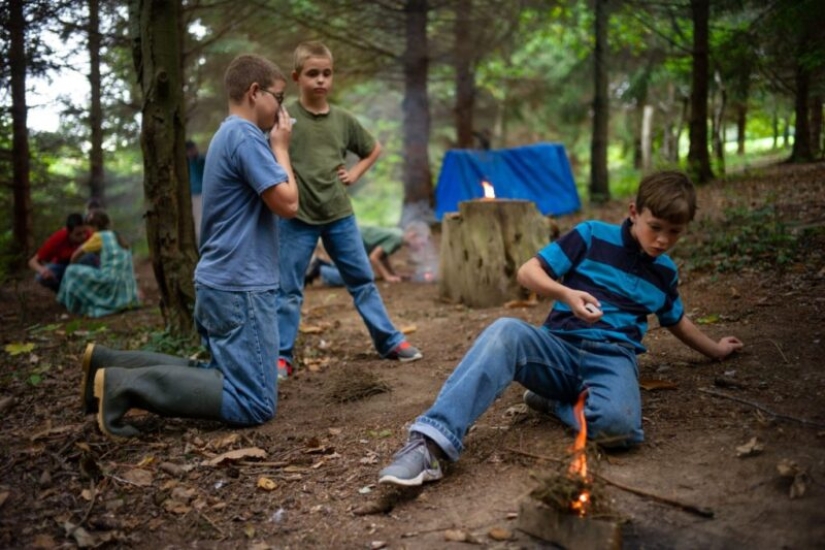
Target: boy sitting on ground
(613, 278)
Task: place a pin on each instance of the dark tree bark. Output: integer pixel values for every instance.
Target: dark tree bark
(464, 78)
(156, 48)
(801, 151)
(741, 120)
(96, 174)
(698, 156)
(599, 185)
(718, 124)
(816, 126)
(22, 223)
(418, 188)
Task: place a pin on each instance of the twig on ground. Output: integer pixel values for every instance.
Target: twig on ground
(779, 350)
(698, 510)
(212, 523)
(93, 492)
(803, 421)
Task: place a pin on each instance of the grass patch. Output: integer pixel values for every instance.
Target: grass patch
(744, 238)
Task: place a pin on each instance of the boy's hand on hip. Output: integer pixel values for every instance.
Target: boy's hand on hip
(344, 176)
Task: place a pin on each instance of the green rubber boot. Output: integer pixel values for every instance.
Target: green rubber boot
(97, 356)
(166, 390)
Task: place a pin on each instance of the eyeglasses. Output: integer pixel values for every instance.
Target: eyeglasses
(279, 97)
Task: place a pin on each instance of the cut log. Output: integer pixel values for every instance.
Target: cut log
(568, 531)
(482, 247)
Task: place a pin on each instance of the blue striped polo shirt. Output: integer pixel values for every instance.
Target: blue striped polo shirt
(606, 261)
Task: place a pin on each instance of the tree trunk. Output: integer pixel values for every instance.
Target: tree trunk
(156, 50)
(741, 121)
(718, 124)
(698, 156)
(22, 224)
(816, 126)
(599, 184)
(801, 151)
(464, 77)
(96, 176)
(482, 248)
(418, 185)
(647, 138)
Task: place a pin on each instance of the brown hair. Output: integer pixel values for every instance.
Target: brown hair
(305, 50)
(101, 222)
(669, 195)
(247, 69)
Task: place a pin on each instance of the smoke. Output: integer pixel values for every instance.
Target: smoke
(423, 255)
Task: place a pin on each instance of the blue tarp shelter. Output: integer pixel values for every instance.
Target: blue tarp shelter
(540, 173)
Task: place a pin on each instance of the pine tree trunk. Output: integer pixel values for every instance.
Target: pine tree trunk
(599, 185)
(156, 51)
(464, 78)
(482, 248)
(96, 173)
(22, 224)
(418, 185)
(698, 156)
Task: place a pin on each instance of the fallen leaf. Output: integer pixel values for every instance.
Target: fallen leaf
(310, 329)
(4, 496)
(455, 535)
(16, 348)
(787, 468)
(6, 403)
(147, 460)
(138, 476)
(650, 384)
(44, 542)
(224, 442)
(238, 454)
(176, 507)
(408, 329)
(709, 319)
(499, 533)
(266, 484)
(512, 304)
(52, 431)
(377, 545)
(751, 448)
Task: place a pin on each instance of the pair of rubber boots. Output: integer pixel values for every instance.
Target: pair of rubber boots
(116, 381)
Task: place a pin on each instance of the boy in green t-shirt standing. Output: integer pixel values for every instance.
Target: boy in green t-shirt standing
(322, 136)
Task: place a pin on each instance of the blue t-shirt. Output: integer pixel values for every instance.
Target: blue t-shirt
(606, 261)
(239, 241)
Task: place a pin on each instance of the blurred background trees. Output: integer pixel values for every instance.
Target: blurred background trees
(626, 86)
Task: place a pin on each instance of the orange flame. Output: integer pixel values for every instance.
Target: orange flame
(489, 190)
(578, 467)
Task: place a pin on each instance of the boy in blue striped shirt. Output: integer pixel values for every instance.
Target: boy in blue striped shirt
(605, 280)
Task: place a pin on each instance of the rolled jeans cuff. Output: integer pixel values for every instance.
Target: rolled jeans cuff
(433, 429)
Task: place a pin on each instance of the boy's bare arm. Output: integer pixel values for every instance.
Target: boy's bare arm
(348, 177)
(532, 276)
(282, 199)
(377, 257)
(694, 338)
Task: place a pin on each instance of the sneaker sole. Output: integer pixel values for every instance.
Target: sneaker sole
(85, 381)
(408, 359)
(420, 479)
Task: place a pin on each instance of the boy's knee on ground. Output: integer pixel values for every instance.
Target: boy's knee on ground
(614, 426)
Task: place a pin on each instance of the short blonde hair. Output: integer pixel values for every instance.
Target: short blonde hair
(247, 69)
(669, 195)
(305, 50)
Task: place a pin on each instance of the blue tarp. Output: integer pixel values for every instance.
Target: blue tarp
(540, 173)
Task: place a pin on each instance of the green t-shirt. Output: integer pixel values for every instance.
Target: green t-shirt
(389, 239)
(318, 146)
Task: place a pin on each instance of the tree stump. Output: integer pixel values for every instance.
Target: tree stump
(482, 247)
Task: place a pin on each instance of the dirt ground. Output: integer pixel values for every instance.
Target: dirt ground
(743, 439)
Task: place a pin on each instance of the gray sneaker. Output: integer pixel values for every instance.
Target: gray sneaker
(413, 465)
(539, 403)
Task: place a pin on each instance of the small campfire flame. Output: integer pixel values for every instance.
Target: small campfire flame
(489, 191)
(578, 467)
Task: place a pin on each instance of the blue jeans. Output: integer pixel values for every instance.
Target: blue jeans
(90, 259)
(553, 367)
(240, 331)
(330, 276)
(343, 243)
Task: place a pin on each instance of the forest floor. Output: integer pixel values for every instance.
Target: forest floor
(743, 439)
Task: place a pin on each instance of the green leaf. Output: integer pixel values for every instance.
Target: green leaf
(16, 348)
(35, 379)
(708, 319)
